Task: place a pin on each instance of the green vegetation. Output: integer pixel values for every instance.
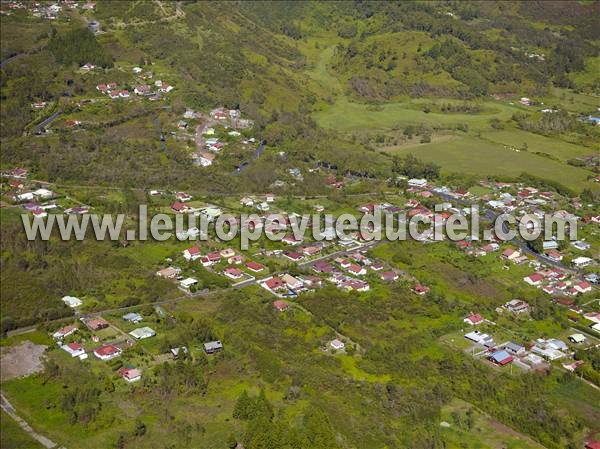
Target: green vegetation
(360, 93)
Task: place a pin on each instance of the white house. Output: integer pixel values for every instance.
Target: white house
(75, 349)
(337, 344)
(72, 301)
(580, 262)
(417, 182)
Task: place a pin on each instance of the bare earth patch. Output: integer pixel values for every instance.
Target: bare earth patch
(22, 360)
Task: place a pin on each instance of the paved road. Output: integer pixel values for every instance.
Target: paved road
(257, 153)
(45, 122)
(10, 410)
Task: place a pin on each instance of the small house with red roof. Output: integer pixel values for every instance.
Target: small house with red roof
(534, 279)
(388, 276)
(280, 305)
(276, 284)
(420, 290)
(255, 266)
(192, 253)
(130, 374)
(65, 331)
(474, 319)
(107, 352)
(233, 273)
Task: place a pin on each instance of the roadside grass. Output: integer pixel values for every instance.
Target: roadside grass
(13, 437)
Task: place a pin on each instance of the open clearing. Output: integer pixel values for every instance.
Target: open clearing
(489, 153)
(22, 360)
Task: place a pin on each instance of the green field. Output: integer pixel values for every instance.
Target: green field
(485, 157)
(482, 150)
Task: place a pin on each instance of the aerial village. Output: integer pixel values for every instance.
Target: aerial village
(562, 273)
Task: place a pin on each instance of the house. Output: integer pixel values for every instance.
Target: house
(276, 284)
(583, 287)
(205, 158)
(549, 349)
(510, 254)
(581, 245)
(478, 337)
(183, 197)
(311, 281)
(580, 262)
(187, 283)
(18, 173)
(75, 349)
(255, 266)
(473, 319)
(311, 250)
(291, 240)
(179, 207)
(72, 301)
(525, 101)
(227, 253)
(337, 344)
(514, 348)
(233, 273)
(43, 193)
(293, 256)
(130, 374)
(577, 338)
(133, 317)
(213, 346)
(280, 305)
(292, 282)
(169, 272)
(25, 196)
(322, 266)
(142, 333)
(211, 259)
(420, 290)
(248, 202)
(263, 207)
(357, 269)
(107, 352)
(142, 89)
(517, 306)
(417, 182)
(388, 276)
(269, 197)
(236, 260)
(500, 358)
(377, 266)
(179, 350)
(96, 324)
(355, 284)
(192, 253)
(554, 255)
(65, 331)
(491, 247)
(534, 279)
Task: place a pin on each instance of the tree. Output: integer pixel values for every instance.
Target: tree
(140, 428)
(243, 406)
